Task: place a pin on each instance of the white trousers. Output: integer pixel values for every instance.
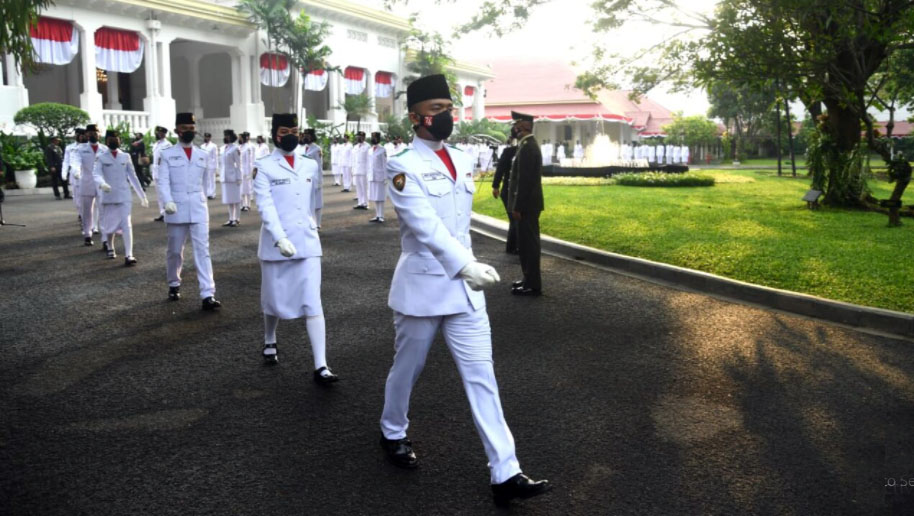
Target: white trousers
(361, 189)
(88, 213)
(469, 338)
(347, 177)
(210, 182)
(337, 174)
(199, 235)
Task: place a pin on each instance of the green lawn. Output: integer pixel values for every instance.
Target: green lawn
(772, 162)
(750, 226)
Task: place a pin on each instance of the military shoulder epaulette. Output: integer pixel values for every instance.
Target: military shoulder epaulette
(402, 152)
(455, 147)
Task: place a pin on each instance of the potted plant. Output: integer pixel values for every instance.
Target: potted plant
(25, 164)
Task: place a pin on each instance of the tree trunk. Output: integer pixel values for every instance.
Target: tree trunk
(777, 108)
(843, 126)
(793, 158)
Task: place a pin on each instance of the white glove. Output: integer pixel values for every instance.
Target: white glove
(105, 187)
(479, 275)
(171, 208)
(144, 202)
(75, 175)
(285, 247)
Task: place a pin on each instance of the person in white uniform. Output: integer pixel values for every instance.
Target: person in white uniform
(182, 187)
(290, 248)
(70, 155)
(345, 158)
(578, 154)
(261, 149)
(436, 286)
(160, 144)
(81, 167)
(334, 162)
(114, 174)
(660, 149)
(212, 164)
(377, 175)
(685, 154)
(560, 153)
(309, 148)
(246, 147)
(359, 163)
(231, 178)
(677, 154)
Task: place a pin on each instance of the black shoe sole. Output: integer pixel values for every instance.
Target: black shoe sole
(502, 501)
(270, 360)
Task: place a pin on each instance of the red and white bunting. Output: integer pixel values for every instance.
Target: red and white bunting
(469, 95)
(354, 80)
(118, 50)
(383, 85)
(274, 70)
(316, 80)
(55, 41)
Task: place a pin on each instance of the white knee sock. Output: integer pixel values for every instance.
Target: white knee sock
(270, 322)
(318, 338)
(379, 209)
(317, 216)
(110, 240)
(128, 240)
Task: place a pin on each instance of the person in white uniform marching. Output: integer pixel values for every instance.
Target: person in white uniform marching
(309, 148)
(345, 158)
(81, 167)
(578, 153)
(436, 287)
(246, 147)
(377, 175)
(114, 175)
(359, 161)
(160, 144)
(182, 187)
(231, 178)
(212, 164)
(261, 149)
(290, 248)
(70, 155)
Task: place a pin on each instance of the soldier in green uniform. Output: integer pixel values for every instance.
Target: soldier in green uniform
(526, 203)
(500, 189)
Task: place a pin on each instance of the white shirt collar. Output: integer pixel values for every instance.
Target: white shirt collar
(433, 145)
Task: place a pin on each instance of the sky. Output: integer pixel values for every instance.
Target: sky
(560, 29)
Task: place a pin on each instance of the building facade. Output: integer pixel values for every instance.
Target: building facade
(205, 56)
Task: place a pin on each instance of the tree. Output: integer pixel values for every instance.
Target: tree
(692, 131)
(427, 55)
(51, 119)
(742, 109)
(399, 128)
(356, 108)
(483, 127)
(18, 17)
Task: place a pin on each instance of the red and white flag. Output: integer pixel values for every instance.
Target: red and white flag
(383, 85)
(274, 70)
(316, 80)
(469, 95)
(55, 41)
(354, 80)
(118, 50)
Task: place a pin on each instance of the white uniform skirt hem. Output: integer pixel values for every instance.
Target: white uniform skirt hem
(291, 289)
(231, 193)
(115, 217)
(377, 191)
(247, 186)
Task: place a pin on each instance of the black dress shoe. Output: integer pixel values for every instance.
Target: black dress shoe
(519, 486)
(111, 254)
(160, 218)
(526, 291)
(518, 283)
(228, 224)
(245, 208)
(174, 293)
(88, 241)
(129, 261)
(400, 452)
(325, 379)
(270, 354)
(105, 246)
(210, 304)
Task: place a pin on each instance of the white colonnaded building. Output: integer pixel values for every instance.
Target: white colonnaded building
(141, 61)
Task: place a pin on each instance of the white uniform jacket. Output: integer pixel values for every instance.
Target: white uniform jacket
(119, 174)
(284, 200)
(378, 165)
(157, 149)
(212, 155)
(231, 164)
(434, 213)
(85, 161)
(345, 152)
(183, 182)
(359, 159)
(67, 156)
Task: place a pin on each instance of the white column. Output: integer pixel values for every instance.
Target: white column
(247, 114)
(14, 76)
(299, 96)
(193, 82)
(90, 100)
(256, 95)
(245, 71)
(113, 92)
(462, 110)
(479, 103)
(165, 67)
(159, 103)
(372, 118)
(336, 97)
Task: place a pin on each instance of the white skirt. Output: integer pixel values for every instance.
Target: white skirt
(231, 193)
(247, 186)
(291, 289)
(115, 217)
(377, 191)
(318, 198)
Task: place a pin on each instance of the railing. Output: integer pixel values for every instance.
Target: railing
(214, 126)
(138, 120)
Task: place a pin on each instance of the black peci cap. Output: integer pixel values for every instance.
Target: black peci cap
(112, 132)
(91, 127)
(521, 117)
(284, 120)
(185, 118)
(425, 88)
